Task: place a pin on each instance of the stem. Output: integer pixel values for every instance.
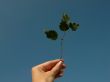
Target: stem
(61, 45)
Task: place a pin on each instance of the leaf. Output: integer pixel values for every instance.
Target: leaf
(65, 18)
(63, 26)
(51, 34)
(73, 26)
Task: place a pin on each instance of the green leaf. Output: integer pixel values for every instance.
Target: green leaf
(51, 34)
(65, 18)
(73, 26)
(63, 26)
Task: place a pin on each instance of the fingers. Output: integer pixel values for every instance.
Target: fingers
(49, 64)
(60, 74)
(63, 66)
(57, 68)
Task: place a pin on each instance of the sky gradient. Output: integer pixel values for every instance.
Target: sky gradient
(23, 44)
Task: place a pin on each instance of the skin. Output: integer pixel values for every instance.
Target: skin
(48, 71)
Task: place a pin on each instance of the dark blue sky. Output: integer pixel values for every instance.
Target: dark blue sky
(23, 44)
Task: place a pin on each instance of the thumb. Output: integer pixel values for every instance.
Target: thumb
(56, 69)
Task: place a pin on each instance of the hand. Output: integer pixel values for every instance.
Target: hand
(48, 71)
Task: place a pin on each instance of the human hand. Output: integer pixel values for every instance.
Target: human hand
(48, 71)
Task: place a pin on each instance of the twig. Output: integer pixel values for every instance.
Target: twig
(61, 45)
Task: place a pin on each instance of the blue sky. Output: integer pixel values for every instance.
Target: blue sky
(23, 44)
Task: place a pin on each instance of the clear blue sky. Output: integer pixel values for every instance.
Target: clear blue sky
(23, 44)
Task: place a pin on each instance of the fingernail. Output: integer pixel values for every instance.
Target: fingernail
(61, 75)
(60, 62)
